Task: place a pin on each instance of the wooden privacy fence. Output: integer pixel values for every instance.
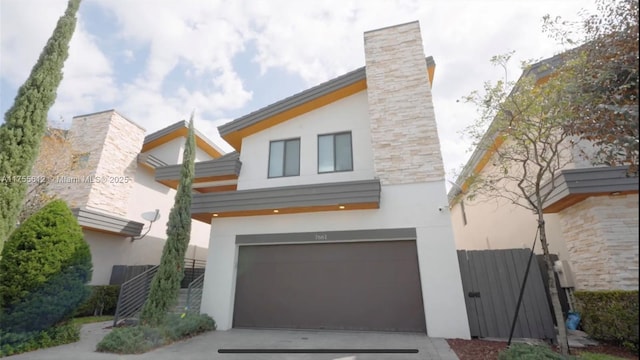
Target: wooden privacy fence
(491, 281)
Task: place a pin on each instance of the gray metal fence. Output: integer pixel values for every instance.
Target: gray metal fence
(194, 295)
(133, 294)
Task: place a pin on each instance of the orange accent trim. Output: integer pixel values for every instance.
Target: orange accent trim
(214, 178)
(496, 144)
(235, 138)
(432, 71)
(176, 134)
(146, 166)
(576, 198)
(484, 160)
(174, 183)
(360, 206)
(220, 188)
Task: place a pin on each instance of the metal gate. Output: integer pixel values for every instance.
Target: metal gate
(491, 281)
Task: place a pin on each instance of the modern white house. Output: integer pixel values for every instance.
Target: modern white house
(332, 211)
(111, 183)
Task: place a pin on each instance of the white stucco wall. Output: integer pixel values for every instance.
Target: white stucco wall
(410, 205)
(348, 114)
(108, 250)
(169, 152)
(148, 195)
(498, 224)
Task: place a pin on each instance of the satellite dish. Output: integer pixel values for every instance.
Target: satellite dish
(151, 215)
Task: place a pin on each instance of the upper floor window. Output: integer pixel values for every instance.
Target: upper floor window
(284, 158)
(334, 152)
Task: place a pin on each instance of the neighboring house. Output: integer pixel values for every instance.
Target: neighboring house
(111, 182)
(331, 213)
(591, 217)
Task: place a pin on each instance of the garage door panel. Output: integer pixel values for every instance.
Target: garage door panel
(359, 286)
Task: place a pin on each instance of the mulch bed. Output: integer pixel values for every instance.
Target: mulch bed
(488, 350)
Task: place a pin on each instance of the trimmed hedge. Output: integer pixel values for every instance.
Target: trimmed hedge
(16, 343)
(610, 316)
(43, 271)
(102, 301)
(142, 338)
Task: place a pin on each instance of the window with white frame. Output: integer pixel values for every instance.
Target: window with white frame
(335, 152)
(284, 158)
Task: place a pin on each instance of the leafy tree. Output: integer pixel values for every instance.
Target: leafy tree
(529, 141)
(54, 160)
(26, 120)
(605, 78)
(166, 283)
(43, 270)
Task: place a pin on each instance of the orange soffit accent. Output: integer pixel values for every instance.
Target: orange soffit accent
(210, 150)
(485, 159)
(207, 217)
(235, 138)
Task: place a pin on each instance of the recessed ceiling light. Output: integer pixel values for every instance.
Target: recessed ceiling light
(276, 211)
(214, 215)
(341, 207)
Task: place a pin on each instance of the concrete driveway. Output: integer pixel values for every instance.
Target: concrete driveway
(207, 346)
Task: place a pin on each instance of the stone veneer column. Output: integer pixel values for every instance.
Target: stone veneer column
(601, 233)
(113, 144)
(406, 148)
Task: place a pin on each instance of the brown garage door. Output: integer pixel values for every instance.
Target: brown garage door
(354, 286)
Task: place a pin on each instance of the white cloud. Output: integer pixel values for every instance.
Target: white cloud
(315, 41)
(88, 77)
(20, 45)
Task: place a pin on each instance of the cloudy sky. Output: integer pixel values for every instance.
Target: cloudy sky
(155, 61)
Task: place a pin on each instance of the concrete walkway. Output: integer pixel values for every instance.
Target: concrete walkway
(207, 346)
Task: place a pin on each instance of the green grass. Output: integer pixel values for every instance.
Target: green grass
(594, 356)
(91, 319)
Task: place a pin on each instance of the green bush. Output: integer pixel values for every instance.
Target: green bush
(16, 343)
(529, 352)
(129, 340)
(43, 269)
(102, 301)
(142, 338)
(178, 327)
(610, 316)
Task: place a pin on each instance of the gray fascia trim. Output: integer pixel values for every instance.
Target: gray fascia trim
(108, 223)
(293, 101)
(150, 160)
(329, 236)
(228, 164)
(177, 126)
(430, 61)
(341, 193)
(165, 131)
(590, 181)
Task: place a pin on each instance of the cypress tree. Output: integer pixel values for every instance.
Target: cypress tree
(165, 286)
(26, 120)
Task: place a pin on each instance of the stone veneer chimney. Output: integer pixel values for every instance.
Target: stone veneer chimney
(406, 148)
(109, 145)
